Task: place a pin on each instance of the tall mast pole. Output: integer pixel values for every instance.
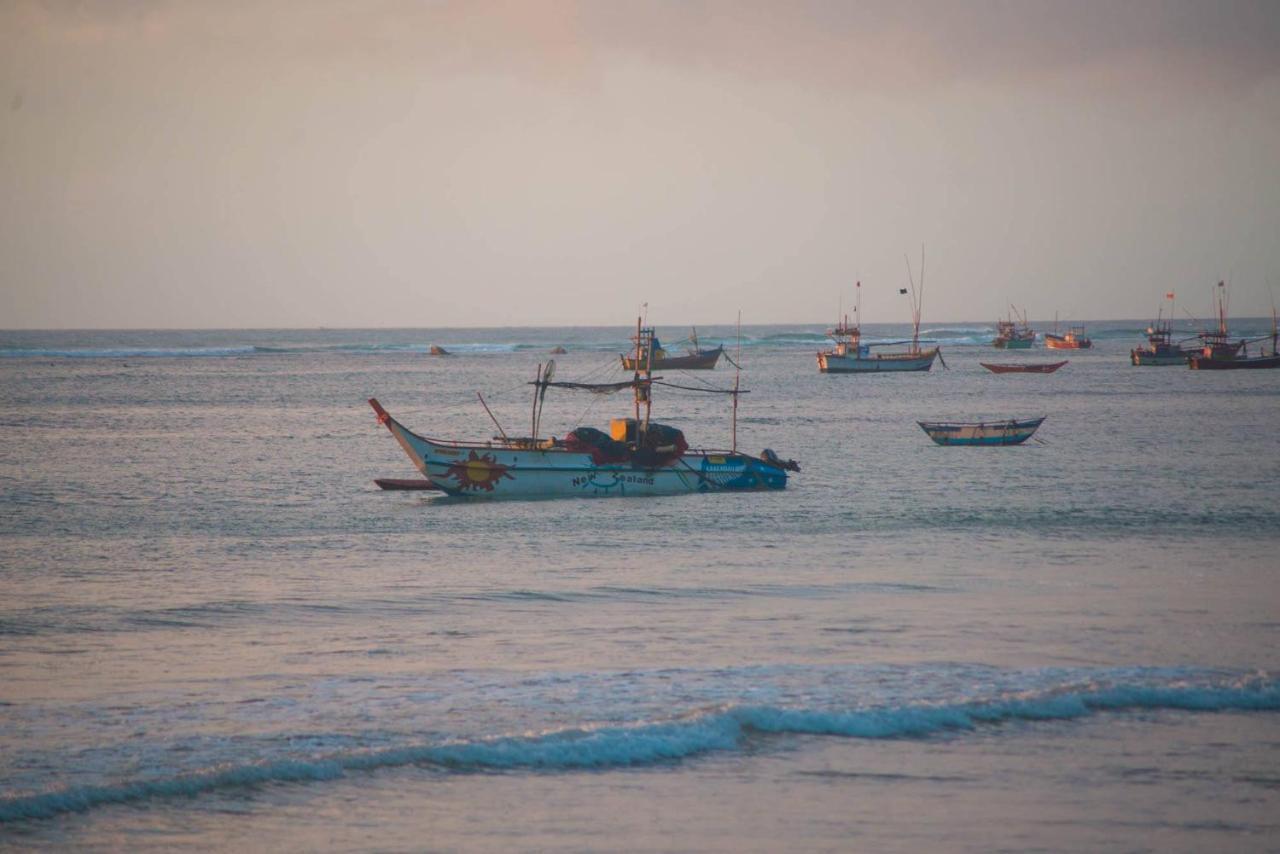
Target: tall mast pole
(635, 379)
(533, 417)
(737, 377)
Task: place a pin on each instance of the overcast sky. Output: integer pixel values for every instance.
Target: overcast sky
(263, 164)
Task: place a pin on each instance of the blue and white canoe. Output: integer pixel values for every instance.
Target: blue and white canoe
(548, 469)
(1010, 432)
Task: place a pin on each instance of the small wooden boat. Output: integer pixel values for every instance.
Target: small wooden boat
(437, 350)
(1011, 432)
(1038, 368)
(1014, 334)
(656, 358)
(637, 456)
(401, 484)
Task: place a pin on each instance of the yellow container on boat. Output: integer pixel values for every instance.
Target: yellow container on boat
(622, 429)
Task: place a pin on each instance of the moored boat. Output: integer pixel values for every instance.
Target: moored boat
(851, 356)
(1161, 349)
(656, 358)
(1201, 362)
(1240, 359)
(1216, 343)
(1010, 432)
(1036, 368)
(1014, 334)
(1073, 339)
(637, 457)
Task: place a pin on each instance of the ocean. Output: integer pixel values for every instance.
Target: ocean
(216, 632)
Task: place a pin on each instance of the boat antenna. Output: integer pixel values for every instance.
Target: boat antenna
(491, 416)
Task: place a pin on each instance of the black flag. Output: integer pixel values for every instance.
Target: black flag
(902, 290)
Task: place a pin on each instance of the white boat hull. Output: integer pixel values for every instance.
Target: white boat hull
(492, 470)
(834, 363)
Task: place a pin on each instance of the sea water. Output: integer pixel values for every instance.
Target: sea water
(215, 631)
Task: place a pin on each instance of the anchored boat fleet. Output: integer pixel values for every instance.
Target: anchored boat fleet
(642, 457)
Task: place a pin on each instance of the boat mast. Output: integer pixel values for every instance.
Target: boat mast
(533, 416)
(917, 299)
(643, 387)
(635, 379)
(737, 376)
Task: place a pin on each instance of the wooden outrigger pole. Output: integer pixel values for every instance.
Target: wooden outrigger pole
(491, 417)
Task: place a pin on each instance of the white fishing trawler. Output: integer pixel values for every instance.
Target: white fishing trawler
(637, 457)
(851, 356)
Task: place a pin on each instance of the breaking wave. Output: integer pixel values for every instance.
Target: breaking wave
(122, 352)
(721, 729)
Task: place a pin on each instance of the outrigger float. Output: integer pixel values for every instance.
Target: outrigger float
(638, 456)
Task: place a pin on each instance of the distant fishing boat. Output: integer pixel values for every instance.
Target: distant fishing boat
(1161, 349)
(654, 357)
(1014, 334)
(1073, 339)
(1205, 360)
(851, 356)
(1217, 343)
(1011, 432)
(637, 457)
(1037, 368)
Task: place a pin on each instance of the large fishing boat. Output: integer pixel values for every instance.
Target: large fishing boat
(851, 356)
(656, 358)
(1073, 339)
(1217, 343)
(1241, 360)
(1015, 333)
(637, 457)
(1161, 349)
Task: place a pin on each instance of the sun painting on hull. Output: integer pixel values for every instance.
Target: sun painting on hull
(478, 471)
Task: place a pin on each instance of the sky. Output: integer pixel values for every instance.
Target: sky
(404, 164)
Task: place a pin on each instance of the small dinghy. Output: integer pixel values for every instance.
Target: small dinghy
(1041, 368)
(1011, 432)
